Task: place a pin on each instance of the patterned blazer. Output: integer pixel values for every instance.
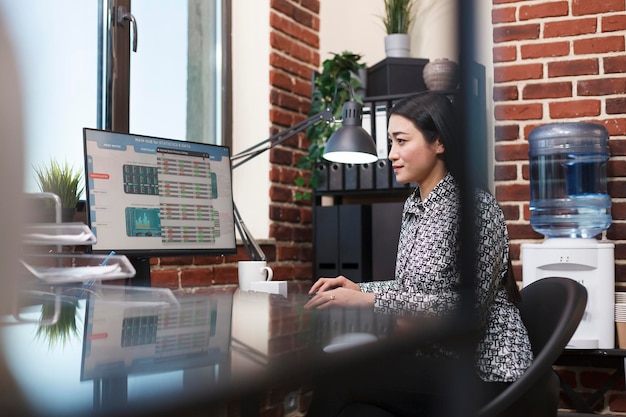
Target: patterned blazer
(427, 275)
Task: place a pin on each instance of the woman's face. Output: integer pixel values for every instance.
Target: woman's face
(412, 157)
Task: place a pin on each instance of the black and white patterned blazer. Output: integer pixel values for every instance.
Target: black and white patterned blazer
(427, 275)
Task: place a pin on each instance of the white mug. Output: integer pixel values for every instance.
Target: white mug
(250, 271)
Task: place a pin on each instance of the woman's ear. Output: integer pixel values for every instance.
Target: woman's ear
(440, 149)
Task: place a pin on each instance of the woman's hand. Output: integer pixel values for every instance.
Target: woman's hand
(325, 284)
(341, 297)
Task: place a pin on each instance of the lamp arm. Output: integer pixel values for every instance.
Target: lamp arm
(324, 116)
(255, 253)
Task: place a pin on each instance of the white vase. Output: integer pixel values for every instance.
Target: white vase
(397, 45)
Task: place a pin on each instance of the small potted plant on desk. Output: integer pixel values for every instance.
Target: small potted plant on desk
(63, 180)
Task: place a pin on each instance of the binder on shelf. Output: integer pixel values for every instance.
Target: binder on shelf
(351, 176)
(322, 176)
(326, 241)
(366, 176)
(355, 242)
(383, 168)
(335, 176)
(386, 222)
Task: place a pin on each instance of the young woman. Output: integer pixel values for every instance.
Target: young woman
(422, 134)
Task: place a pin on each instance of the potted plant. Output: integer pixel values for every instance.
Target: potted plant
(63, 180)
(398, 20)
(329, 90)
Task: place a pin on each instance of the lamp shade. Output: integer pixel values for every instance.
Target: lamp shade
(351, 144)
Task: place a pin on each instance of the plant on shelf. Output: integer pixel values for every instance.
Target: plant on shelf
(398, 19)
(329, 90)
(398, 16)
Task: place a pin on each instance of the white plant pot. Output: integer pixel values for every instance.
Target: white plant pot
(397, 45)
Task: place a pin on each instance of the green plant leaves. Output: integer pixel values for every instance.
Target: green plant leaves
(61, 179)
(331, 88)
(398, 16)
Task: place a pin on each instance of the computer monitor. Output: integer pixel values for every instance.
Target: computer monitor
(153, 197)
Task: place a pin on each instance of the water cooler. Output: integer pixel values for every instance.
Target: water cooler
(570, 206)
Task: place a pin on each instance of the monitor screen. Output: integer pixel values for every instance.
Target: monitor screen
(149, 196)
(137, 330)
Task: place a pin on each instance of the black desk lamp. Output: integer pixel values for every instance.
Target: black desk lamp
(349, 144)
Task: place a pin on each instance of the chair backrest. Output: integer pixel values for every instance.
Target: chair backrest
(551, 309)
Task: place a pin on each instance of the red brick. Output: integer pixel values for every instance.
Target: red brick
(505, 93)
(616, 127)
(569, 27)
(617, 231)
(575, 108)
(599, 45)
(614, 64)
(616, 168)
(506, 132)
(542, 10)
(504, 54)
(292, 66)
(504, 73)
(505, 172)
(226, 274)
(618, 211)
(547, 90)
(164, 278)
(616, 105)
(602, 87)
(511, 212)
(528, 111)
(503, 15)
(197, 277)
(515, 33)
(573, 67)
(542, 50)
(522, 231)
(583, 7)
(616, 188)
(511, 152)
(280, 194)
(613, 23)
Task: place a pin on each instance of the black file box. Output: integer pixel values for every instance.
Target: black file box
(386, 221)
(326, 241)
(350, 176)
(366, 176)
(321, 172)
(335, 177)
(382, 173)
(355, 242)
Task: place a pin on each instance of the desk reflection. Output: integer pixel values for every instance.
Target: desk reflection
(143, 349)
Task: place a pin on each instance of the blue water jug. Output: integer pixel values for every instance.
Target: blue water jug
(568, 196)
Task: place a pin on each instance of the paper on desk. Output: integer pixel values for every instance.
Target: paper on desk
(43, 237)
(73, 274)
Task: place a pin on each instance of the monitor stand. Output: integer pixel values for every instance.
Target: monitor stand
(142, 268)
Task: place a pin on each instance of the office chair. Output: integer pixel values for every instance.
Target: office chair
(551, 309)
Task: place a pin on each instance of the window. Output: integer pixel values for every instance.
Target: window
(78, 70)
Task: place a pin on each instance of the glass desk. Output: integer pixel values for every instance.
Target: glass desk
(121, 350)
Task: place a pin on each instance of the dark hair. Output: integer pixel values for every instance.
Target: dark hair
(434, 115)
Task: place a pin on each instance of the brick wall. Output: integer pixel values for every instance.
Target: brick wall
(559, 61)
(294, 37)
